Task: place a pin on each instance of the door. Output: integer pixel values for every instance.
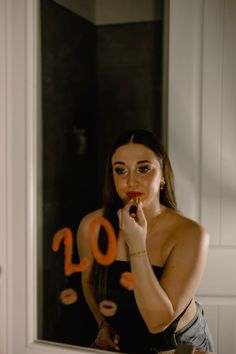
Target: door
(202, 145)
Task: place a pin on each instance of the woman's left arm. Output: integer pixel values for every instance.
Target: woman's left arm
(161, 301)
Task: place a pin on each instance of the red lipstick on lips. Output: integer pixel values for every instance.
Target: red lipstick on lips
(133, 208)
(133, 194)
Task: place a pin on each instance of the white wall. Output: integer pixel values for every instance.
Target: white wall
(202, 144)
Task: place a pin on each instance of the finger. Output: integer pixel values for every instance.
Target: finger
(116, 338)
(140, 214)
(116, 342)
(116, 347)
(129, 203)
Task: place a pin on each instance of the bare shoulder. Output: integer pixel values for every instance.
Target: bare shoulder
(190, 231)
(180, 229)
(86, 220)
(83, 234)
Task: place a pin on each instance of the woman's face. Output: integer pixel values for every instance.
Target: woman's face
(136, 169)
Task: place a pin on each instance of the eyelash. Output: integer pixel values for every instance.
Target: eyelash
(120, 171)
(144, 169)
(141, 170)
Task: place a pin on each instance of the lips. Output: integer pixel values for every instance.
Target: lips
(133, 194)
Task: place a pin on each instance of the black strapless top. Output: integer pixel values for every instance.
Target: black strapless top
(134, 335)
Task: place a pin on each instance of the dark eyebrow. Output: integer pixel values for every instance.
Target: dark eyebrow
(143, 161)
(138, 162)
(118, 163)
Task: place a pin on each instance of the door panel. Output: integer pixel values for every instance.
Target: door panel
(204, 104)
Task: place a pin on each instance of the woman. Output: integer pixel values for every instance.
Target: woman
(164, 250)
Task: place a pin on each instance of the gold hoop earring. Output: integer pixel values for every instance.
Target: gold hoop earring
(162, 184)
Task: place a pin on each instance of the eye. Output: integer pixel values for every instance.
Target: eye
(120, 170)
(144, 169)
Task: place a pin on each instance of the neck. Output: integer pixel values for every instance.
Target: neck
(152, 212)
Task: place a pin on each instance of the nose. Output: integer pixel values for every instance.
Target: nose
(131, 179)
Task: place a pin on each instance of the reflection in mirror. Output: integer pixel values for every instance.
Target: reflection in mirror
(101, 73)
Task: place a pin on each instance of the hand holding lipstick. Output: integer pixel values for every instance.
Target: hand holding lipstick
(133, 225)
(134, 207)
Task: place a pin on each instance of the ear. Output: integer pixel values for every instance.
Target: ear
(162, 183)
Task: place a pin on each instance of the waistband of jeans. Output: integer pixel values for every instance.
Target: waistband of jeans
(197, 317)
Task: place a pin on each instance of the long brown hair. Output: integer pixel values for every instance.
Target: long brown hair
(112, 202)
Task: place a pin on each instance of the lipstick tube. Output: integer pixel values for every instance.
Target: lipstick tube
(133, 209)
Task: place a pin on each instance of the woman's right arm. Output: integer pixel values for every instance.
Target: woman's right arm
(106, 337)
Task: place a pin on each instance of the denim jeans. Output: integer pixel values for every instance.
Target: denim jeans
(196, 332)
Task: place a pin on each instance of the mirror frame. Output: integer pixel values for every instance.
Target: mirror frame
(19, 136)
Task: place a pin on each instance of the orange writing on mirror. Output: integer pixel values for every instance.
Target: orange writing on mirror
(109, 257)
(128, 280)
(69, 296)
(69, 267)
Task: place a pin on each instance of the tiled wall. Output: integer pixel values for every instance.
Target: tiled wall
(129, 69)
(69, 177)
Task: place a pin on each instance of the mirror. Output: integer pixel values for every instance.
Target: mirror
(102, 71)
